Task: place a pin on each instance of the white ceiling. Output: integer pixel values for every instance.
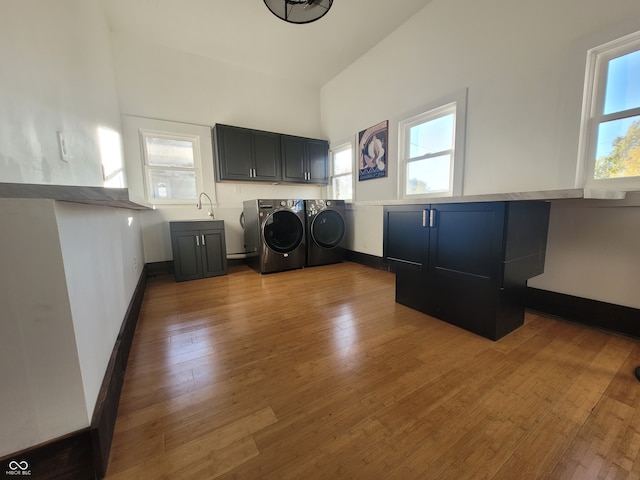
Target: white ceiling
(246, 33)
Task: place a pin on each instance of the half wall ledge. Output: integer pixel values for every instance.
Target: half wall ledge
(106, 197)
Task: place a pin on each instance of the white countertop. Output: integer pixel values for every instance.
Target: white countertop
(548, 195)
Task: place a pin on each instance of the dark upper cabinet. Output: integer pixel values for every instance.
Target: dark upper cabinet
(199, 249)
(467, 263)
(266, 151)
(243, 154)
(304, 160)
(246, 155)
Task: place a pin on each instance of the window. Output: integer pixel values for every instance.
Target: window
(431, 150)
(610, 135)
(172, 166)
(342, 172)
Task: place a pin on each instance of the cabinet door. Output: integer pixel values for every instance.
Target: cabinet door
(406, 235)
(234, 157)
(294, 157)
(466, 240)
(318, 161)
(187, 256)
(266, 153)
(465, 265)
(214, 255)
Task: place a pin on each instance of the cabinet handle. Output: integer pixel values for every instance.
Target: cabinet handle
(197, 241)
(432, 218)
(424, 217)
(203, 244)
(255, 174)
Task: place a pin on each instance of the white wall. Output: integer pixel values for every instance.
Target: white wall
(523, 64)
(103, 260)
(161, 83)
(56, 74)
(593, 251)
(67, 275)
(42, 392)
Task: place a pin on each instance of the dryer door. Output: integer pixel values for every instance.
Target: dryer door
(328, 229)
(283, 231)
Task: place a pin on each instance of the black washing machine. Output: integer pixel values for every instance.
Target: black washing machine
(274, 234)
(326, 230)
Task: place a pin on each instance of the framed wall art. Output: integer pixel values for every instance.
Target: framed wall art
(372, 152)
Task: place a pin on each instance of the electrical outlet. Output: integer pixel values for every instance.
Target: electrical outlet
(135, 264)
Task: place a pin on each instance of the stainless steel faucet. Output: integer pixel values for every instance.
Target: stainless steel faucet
(199, 205)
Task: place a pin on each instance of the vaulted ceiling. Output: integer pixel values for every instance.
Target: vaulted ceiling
(246, 33)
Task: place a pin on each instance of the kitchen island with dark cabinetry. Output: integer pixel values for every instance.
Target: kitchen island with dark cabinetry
(467, 263)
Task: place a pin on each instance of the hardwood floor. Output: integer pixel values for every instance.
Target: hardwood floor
(319, 374)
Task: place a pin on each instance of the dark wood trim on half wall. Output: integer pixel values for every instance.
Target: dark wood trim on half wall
(84, 454)
(367, 260)
(594, 313)
(106, 409)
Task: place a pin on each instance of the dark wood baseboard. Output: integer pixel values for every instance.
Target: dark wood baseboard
(84, 454)
(367, 260)
(166, 268)
(104, 414)
(159, 268)
(236, 262)
(606, 316)
(64, 458)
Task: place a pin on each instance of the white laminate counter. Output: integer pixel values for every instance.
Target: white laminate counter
(547, 195)
(106, 197)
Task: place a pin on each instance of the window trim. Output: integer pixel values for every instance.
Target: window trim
(456, 103)
(350, 144)
(595, 84)
(147, 169)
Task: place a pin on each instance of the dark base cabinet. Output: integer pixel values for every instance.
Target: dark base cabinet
(199, 249)
(467, 263)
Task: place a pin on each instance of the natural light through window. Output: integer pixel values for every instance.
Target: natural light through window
(171, 164)
(431, 150)
(342, 172)
(612, 130)
(111, 158)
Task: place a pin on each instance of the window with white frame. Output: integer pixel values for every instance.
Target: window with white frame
(610, 134)
(342, 172)
(172, 167)
(431, 148)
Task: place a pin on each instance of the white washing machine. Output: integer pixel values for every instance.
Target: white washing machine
(274, 234)
(326, 230)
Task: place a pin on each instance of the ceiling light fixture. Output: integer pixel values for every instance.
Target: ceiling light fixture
(299, 11)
